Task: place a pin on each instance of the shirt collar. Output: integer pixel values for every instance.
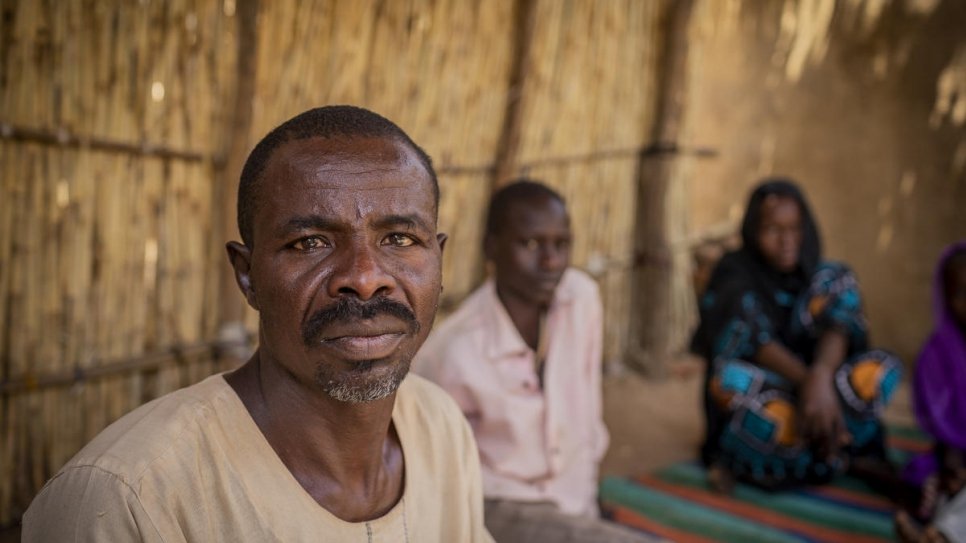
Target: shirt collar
(506, 339)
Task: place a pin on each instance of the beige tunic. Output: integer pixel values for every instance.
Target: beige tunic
(193, 466)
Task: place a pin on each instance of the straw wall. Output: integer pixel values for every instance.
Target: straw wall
(439, 69)
(587, 109)
(120, 145)
(110, 117)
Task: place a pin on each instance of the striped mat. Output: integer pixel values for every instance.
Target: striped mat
(675, 504)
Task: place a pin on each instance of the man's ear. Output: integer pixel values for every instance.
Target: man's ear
(441, 238)
(240, 257)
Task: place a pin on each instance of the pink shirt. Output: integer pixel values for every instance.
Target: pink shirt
(534, 445)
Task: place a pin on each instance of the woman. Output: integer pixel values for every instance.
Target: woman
(939, 392)
(792, 392)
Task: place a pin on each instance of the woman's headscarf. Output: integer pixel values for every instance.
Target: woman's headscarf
(939, 384)
(747, 270)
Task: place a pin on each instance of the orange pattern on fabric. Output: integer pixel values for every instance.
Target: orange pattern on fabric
(718, 393)
(865, 379)
(782, 414)
(816, 305)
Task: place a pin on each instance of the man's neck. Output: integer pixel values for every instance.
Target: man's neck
(347, 456)
(524, 313)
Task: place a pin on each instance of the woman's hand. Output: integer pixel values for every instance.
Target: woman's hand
(823, 424)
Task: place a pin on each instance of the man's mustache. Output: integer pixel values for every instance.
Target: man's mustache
(349, 310)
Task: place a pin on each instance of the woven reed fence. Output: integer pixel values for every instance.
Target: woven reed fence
(123, 126)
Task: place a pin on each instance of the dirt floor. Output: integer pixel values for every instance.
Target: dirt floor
(652, 423)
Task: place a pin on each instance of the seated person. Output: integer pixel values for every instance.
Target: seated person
(522, 358)
(320, 436)
(939, 390)
(792, 391)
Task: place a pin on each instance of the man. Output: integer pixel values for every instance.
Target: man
(522, 358)
(317, 437)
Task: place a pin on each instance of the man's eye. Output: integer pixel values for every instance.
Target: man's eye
(399, 240)
(309, 243)
(531, 244)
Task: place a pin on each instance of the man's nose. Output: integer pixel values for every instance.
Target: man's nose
(360, 272)
(552, 257)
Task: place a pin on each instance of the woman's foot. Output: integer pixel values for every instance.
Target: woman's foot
(909, 531)
(721, 480)
(928, 498)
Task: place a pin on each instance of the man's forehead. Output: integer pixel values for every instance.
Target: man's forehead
(532, 210)
(353, 177)
(346, 153)
(344, 163)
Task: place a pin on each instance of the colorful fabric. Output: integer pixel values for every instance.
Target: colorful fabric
(760, 441)
(940, 377)
(675, 503)
(751, 411)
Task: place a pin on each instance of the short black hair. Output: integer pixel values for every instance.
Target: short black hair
(523, 189)
(321, 122)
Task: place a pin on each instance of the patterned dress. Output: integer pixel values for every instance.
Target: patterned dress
(752, 411)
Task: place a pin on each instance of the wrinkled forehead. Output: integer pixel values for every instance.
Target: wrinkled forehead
(342, 162)
(312, 156)
(370, 175)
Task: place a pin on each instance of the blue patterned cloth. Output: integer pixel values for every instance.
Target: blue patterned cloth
(752, 412)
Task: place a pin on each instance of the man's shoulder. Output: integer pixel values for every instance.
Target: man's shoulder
(464, 328)
(134, 443)
(472, 310)
(422, 400)
(577, 284)
(418, 395)
(579, 279)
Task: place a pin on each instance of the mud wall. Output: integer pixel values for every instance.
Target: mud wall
(864, 103)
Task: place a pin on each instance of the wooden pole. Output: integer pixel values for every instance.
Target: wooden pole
(231, 302)
(650, 345)
(508, 145)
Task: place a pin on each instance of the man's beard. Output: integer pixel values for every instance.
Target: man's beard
(358, 384)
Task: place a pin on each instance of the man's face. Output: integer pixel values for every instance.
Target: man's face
(531, 250)
(345, 267)
(780, 232)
